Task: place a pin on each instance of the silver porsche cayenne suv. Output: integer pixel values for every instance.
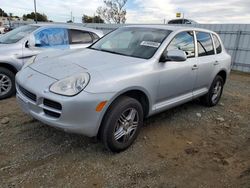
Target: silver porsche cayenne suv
(132, 73)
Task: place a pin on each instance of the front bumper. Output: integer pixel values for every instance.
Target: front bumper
(75, 114)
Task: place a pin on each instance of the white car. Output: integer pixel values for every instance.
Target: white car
(22, 43)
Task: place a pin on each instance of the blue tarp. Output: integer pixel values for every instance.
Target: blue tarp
(52, 38)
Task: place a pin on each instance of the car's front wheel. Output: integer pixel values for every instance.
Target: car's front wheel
(214, 94)
(122, 124)
(7, 83)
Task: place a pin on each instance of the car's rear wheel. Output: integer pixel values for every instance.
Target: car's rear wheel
(214, 94)
(121, 124)
(7, 83)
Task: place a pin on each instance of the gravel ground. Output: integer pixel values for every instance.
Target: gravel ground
(188, 146)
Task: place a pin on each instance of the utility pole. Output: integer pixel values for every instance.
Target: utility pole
(35, 11)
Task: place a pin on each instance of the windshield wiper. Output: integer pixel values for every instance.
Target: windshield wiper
(103, 50)
(112, 52)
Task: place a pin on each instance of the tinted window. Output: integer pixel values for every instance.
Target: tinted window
(176, 21)
(80, 37)
(204, 43)
(183, 41)
(217, 44)
(52, 38)
(95, 36)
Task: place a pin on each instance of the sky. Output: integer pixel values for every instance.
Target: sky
(139, 11)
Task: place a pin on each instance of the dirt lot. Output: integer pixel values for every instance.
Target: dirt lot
(188, 146)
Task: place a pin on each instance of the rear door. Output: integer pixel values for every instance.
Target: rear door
(80, 39)
(206, 61)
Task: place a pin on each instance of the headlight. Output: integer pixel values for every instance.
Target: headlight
(71, 85)
(29, 62)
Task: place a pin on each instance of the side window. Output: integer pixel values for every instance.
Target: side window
(217, 44)
(183, 41)
(204, 43)
(52, 38)
(80, 37)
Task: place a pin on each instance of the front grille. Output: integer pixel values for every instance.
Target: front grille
(27, 93)
(52, 114)
(52, 104)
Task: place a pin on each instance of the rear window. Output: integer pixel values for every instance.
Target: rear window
(176, 22)
(204, 43)
(80, 37)
(217, 44)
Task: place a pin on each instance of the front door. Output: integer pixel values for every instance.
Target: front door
(177, 78)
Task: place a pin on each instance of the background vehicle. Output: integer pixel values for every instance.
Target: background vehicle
(8, 28)
(17, 46)
(182, 21)
(131, 73)
(1, 30)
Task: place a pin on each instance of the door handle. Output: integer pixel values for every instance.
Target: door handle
(216, 63)
(194, 67)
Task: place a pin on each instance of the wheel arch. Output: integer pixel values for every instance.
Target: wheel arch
(223, 74)
(9, 67)
(134, 92)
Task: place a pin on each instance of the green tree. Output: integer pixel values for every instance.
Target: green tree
(40, 17)
(92, 19)
(113, 11)
(2, 13)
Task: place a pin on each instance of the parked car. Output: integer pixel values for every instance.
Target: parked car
(8, 28)
(17, 46)
(182, 21)
(133, 72)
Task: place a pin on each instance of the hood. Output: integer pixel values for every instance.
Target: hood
(63, 63)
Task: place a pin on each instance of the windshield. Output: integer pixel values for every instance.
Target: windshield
(17, 34)
(132, 41)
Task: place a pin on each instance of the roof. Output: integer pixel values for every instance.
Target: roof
(69, 26)
(171, 27)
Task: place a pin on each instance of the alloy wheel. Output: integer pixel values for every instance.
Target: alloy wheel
(126, 125)
(216, 91)
(5, 84)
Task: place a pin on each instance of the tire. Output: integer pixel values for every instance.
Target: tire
(212, 98)
(124, 117)
(7, 83)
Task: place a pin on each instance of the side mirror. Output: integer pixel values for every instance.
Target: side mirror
(27, 45)
(30, 42)
(173, 55)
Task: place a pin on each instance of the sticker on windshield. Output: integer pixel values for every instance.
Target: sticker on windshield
(150, 44)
